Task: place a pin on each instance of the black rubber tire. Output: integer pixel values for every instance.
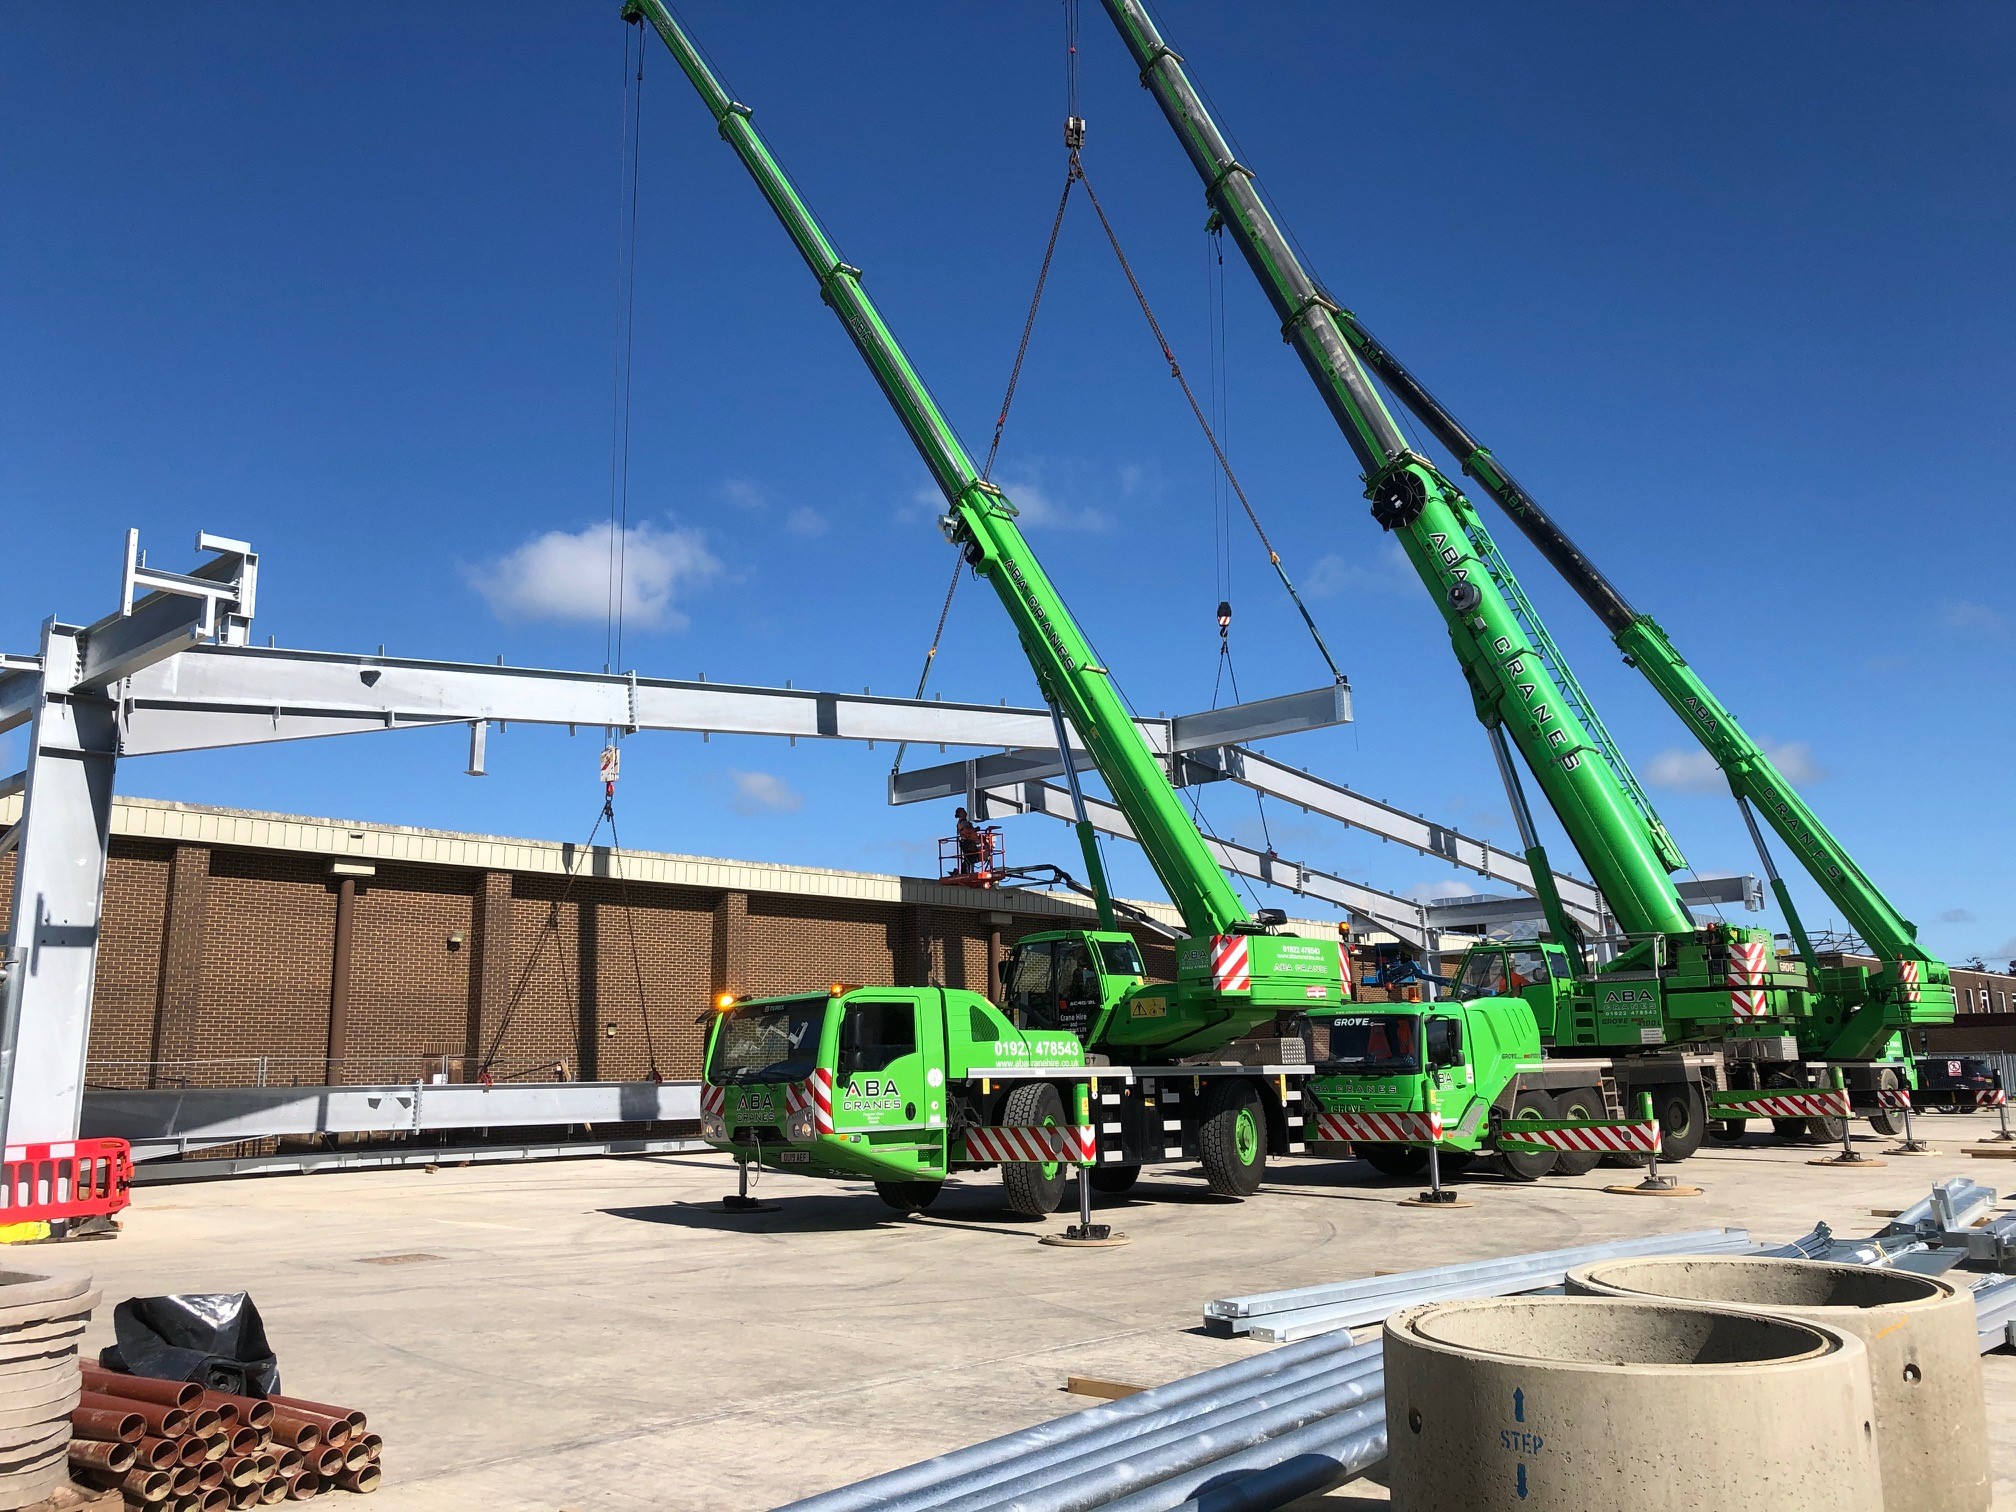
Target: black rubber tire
(1789, 1128)
(1034, 1190)
(1528, 1165)
(1727, 1130)
(1115, 1179)
(1232, 1137)
(1683, 1119)
(1578, 1102)
(1456, 1162)
(909, 1196)
(1395, 1160)
(1886, 1123)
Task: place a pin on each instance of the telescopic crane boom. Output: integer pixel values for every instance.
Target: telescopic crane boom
(1519, 681)
(1232, 974)
(981, 521)
(1854, 1016)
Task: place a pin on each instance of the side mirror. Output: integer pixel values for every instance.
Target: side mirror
(850, 1045)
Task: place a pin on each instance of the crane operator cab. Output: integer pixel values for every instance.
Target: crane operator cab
(1536, 970)
(1067, 980)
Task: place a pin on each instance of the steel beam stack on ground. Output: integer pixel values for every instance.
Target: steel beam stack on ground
(1305, 1311)
(167, 1445)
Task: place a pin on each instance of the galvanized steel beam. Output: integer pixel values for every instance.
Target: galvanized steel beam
(167, 1122)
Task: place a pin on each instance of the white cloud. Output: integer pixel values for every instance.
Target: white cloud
(1692, 770)
(1970, 618)
(566, 575)
(805, 522)
(744, 493)
(762, 793)
(1385, 571)
(1040, 510)
(1957, 916)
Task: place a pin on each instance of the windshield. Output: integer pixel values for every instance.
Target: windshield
(1483, 975)
(1376, 1044)
(776, 1042)
(1122, 958)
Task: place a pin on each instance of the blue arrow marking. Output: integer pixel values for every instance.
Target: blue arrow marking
(1522, 1483)
(1518, 1405)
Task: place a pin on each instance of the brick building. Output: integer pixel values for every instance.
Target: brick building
(239, 947)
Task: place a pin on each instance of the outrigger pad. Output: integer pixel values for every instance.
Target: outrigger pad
(1086, 1236)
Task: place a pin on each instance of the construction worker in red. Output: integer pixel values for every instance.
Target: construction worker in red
(972, 843)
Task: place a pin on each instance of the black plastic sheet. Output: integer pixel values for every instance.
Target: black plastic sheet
(212, 1338)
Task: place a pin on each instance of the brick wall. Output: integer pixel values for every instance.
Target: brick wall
(269, 932)
(217, 956)
(409, 979)
(128, 987)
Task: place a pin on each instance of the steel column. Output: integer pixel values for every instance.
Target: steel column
(59, 888)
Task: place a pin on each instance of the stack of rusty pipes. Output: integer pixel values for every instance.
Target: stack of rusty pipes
(171, 1446)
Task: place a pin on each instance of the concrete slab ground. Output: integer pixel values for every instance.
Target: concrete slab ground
(598, 1335)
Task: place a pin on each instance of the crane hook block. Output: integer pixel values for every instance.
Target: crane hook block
(1074, 132)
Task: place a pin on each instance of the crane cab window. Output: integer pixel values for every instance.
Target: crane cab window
(1528, 967)
(1047, 980)
(875, 1035)
(1483, 975)
(1121, 958)
(1444, 1042)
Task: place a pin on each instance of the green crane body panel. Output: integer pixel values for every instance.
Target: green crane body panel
(1200, 1012)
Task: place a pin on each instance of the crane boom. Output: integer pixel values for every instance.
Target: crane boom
(1912, 986)
(1752, 775)
(1518, 679)
(981, 520)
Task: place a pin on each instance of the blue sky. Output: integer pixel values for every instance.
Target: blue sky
(1729, 289)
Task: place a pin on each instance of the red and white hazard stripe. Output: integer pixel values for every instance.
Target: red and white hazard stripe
(1604, 1139)
(1379, 1128)
(1907, 981)
(1028, 1144)
(1894, 1097)
(712, 1098)
(1994, 1099)
(1747, 1002)
(1231, 969)
(1783, 1105)
(816, 1093)
(1344, 970)
(1747, 962)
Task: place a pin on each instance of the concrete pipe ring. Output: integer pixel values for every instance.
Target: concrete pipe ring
(1924, 1354)
(1564, 1404)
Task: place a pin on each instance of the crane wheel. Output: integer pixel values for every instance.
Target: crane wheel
(1115, 1179)
(1397, 1160)
(1578, 1102)
(908, 1196)
(1232, 1137)
(1683, 1119)
(1527, 1165)
(1728, 1130)
(1034, 1190)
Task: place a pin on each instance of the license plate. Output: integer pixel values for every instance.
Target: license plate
(795, 1157)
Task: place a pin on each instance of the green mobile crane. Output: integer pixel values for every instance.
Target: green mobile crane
(1676, 983)
(902, 1085)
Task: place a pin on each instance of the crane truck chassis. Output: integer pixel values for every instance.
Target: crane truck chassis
(903, 1086)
